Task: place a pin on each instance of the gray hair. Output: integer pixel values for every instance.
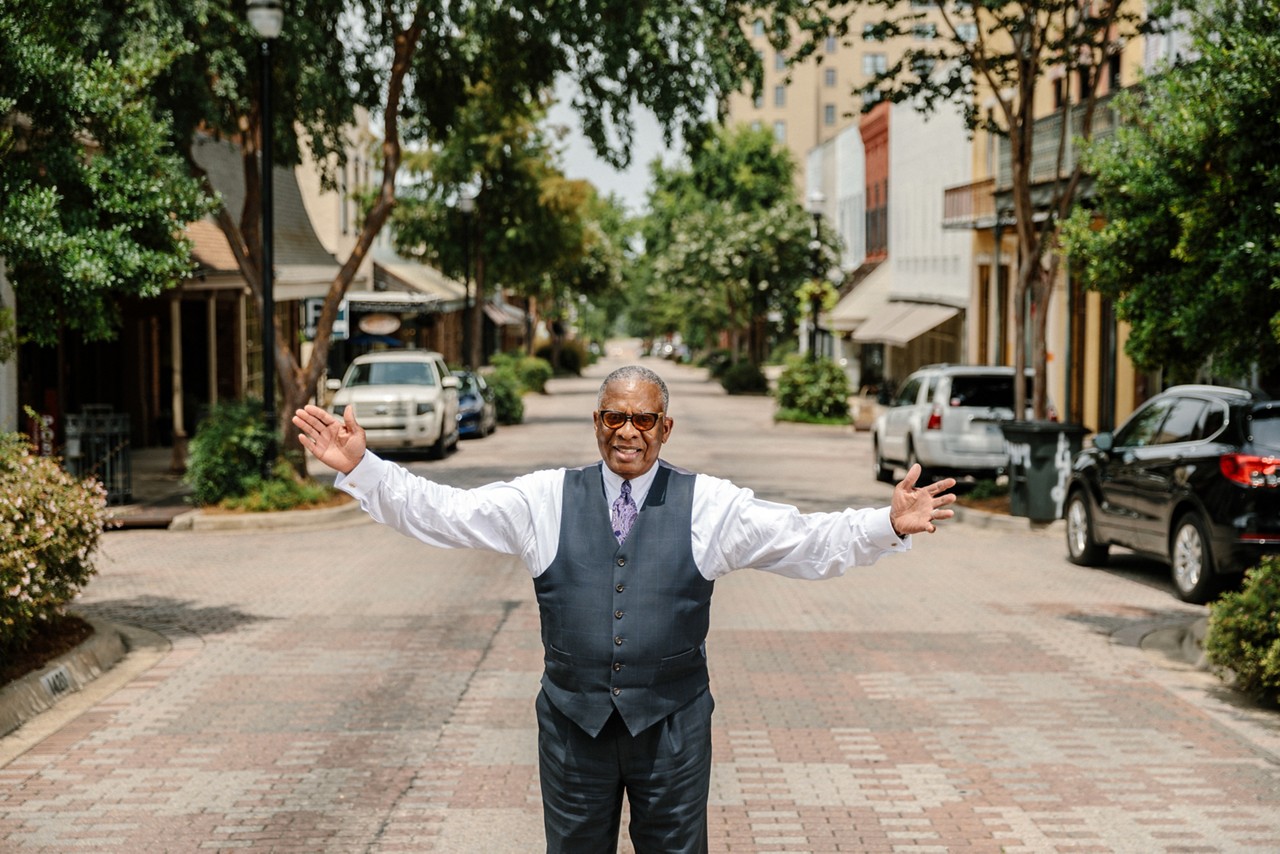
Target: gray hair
(639, 374)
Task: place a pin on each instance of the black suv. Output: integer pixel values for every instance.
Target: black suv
(1192, 478)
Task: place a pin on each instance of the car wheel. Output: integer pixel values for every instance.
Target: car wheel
(440, 447)
(1191, 561)
(1082, 548)
(925, 477)
(883, 471)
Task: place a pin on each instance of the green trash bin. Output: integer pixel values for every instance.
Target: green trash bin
(1040, 455)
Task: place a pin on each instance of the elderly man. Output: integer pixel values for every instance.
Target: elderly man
(624, 554)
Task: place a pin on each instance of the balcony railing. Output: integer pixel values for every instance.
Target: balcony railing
(973, 205)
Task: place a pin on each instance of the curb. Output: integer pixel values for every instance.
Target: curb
(984, 519)
(347, 513)
(40, 690)
(113, 657)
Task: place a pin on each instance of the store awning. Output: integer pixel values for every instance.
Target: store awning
(900, 322)
(503, 314)
(398, 275)
(396, 302)
(867, 300)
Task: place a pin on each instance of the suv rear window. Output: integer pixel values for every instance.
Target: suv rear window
(990, 392)
(1265, 427)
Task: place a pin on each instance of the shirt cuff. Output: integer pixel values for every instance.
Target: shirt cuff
(880, 531)
(364, 478)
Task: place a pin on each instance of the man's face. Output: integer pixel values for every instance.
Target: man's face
(627, 451)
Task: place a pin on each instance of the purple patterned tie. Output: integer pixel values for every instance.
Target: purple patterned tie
(624, 513)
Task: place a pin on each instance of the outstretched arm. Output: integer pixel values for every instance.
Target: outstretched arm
(338, 443)
(915, 509)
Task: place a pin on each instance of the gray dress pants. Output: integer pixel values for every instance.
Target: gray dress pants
(665, 772)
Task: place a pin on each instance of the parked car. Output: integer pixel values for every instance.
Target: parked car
(404, 399)
(947, 418)
(1191, 479)
(477, 411)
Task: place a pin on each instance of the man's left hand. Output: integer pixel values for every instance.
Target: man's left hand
(915, 509)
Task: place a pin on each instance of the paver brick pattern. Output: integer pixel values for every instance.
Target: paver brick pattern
(350, 690)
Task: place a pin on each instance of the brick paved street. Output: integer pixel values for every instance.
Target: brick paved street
(348, 690)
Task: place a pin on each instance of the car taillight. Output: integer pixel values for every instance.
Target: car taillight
(935, 419)
(1250, 470)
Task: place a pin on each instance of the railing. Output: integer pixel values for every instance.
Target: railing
(98, 446)
(973, 205)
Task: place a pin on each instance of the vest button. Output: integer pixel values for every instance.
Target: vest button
(622, 561)
(617, 691)
(620, 588)
(617, 641)
(617, 666)
(617, 615)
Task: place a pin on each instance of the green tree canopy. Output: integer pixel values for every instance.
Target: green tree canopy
(726, 241)
(1185, 233)
(93, 195)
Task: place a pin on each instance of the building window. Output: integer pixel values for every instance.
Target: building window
(871, 33)
(756, 125)
(779, 96)
(967, 32)
(1113, 72)
(757, 101)
(829, 77)
(829, 115)
(924, 32)
(757, 29)
(780, 132)
(780, 62)
(874, 63)
(831, 44)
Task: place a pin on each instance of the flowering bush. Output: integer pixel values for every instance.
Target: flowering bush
(1244, 633)
(49, 527)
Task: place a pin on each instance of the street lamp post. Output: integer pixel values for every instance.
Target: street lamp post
(467, 206)
(816, 200)
(267, 18)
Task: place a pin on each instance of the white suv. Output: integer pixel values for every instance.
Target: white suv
(947, 418)
(404, 399)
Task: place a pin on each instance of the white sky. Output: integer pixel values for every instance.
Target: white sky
(580, 161)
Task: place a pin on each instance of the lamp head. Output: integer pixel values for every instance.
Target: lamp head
(817, 199)
(266, 17)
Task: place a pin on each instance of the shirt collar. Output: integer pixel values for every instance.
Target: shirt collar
(639, 485)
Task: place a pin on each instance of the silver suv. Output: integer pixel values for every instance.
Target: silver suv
(947, 418)
(404, 399)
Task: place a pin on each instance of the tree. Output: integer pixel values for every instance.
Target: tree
(415, 63)
(1184, 233)
(530, 229)
(92, 191)
(999, 51)
(726, 238)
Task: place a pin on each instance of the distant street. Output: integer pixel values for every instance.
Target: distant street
(350, 690)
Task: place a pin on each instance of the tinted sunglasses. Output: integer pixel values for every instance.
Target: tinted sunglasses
(642, 421)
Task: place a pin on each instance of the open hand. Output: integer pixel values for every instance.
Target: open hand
(915, 509)
(338, 443)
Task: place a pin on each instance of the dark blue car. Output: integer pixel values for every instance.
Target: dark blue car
(1192, 478)
(477, 413)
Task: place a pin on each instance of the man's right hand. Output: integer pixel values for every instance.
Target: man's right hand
(339, 444)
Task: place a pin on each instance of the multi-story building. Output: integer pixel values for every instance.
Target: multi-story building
(808, 103)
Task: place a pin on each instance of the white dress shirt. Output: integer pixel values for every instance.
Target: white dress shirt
(732, 529)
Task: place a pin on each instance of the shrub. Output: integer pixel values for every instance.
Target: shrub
(1244, 633)
(284, 490)
(717, 362)
(50, 524)
(573, 355)
(531, 372)
(507, 395)
(744, 378)
(228, 452)
(815, 387)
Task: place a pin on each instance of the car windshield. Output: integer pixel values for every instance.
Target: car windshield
(991, 392)
(1265, 428)
(466, 383)
(390, 373)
